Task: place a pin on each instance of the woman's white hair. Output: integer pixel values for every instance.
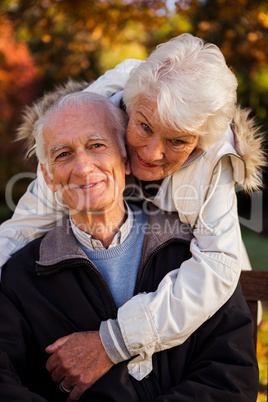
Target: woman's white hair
(193, 88)
(117, 119)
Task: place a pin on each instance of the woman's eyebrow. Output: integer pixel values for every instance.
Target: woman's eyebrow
(145, 118)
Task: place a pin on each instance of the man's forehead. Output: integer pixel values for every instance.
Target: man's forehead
(88, 111)
(66, 126)
(83, 121)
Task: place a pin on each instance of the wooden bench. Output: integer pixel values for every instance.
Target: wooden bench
(255, 287)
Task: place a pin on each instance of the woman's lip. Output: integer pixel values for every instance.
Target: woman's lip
(144, 163)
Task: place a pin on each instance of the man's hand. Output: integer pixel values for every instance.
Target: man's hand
(77, 362)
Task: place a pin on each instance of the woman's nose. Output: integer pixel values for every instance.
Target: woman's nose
(154, 150)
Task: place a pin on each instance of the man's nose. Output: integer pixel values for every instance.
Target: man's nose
(154, 150)
(83, 164)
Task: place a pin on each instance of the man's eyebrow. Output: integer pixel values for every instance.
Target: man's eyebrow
(55, 148)
(95, 137)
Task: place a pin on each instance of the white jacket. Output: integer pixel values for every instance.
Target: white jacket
(203, 193)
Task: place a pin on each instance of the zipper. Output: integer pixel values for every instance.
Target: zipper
(147, 389)
(142, 389)
(141, 270)
(66, 265)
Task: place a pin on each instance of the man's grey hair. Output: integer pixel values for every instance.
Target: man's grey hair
(116, 118)
(192, 86)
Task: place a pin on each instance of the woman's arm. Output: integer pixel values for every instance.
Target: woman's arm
(114, 80)
(36, 213)
(187, 297)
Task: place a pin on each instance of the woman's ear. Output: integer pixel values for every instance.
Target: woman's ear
(53, 187)
(127, 167)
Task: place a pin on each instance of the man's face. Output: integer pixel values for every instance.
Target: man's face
(84, 158)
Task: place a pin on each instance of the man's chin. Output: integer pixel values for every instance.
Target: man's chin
(90, 209)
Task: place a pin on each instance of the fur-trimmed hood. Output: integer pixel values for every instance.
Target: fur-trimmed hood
(249, 144)
(248, 137)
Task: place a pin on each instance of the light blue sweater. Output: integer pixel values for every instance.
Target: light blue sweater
(119, 265)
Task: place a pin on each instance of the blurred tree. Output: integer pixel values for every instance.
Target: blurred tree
(46, 41)
(240, 29)
(19, 85)
(84, 39)
(68, 40)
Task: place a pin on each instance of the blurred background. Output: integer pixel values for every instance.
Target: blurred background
(43, 42)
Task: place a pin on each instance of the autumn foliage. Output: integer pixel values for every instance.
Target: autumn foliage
(43, 42)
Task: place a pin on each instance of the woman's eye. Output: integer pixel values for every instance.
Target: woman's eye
(146, 127)
(176, 142)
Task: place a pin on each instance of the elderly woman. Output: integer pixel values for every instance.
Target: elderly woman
(187, 146)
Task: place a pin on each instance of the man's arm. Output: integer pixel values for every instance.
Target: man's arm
(222, 363)
(11, 388)
(223, 366)
(14, 332)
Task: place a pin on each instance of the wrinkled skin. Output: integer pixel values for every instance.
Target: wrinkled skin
(78, 360)
(155, 152)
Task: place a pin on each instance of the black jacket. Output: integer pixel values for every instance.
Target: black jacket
(64, 293)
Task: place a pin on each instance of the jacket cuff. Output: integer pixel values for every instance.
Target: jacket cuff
(113, 341)
(134, 315)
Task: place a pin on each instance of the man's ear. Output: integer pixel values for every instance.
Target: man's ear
(53, 187)
(127, 167)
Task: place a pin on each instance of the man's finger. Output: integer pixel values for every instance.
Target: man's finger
(76, 393)
(57, 375)
(56, 370)
(57, 344)
(51, 363)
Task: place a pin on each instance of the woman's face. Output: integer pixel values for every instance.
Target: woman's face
(155, 151)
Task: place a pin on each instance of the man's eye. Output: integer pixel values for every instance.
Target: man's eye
(96, 146)
(62, 155)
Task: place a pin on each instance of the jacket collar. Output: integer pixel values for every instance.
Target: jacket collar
(59, 245)
(163, 227)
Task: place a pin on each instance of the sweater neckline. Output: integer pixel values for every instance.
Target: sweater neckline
(139, 220)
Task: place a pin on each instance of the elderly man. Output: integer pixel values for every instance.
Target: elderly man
(98, 256)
